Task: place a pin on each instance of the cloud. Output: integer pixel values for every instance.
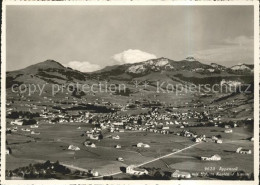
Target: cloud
(240, 40)
(133, 56)
(83, 66)
(230, 52)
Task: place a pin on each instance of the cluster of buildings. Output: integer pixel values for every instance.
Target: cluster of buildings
(134, 170)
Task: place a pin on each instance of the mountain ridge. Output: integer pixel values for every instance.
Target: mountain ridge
(51, 71)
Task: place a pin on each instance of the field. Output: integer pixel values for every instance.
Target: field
(54, 140)
(52, 144)
(190, 159)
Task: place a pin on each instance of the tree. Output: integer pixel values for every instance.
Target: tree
(158, 175)
(100, 137)
(139, 121)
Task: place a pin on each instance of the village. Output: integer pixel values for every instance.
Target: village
(153, 118)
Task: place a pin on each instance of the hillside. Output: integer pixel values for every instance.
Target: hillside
(160, 71)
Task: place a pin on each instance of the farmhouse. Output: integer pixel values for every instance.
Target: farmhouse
(26, 129)
(215, 157)
(118, 124)
(240, 150)
(165, 128)
(89, 144)
(17, 122)
(120, 159)
(136, 171)
(219, 141)
(140, 145)
(14, 129)
(94, 173)
(118, 146)
(8, 151)
(228, 131)
(198, 140)
(116, 137)
(35, 133)
(227, 126)
(72, 147)
(34, 126)
(179, 174)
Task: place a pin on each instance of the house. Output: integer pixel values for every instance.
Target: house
(89, 144)
(94, 173)
(72, 147)
(219, 141)
(14, 129)
(35, 133)
(26, 129)
(133, 170)
(176, 123)
(198, 140)
(228, 131)
(118, 124)
(165, 128)
(17, 122)
(34, 126)
(146, 146)
(116, 137)
(120, 159)
(180, 174)
(240, 150)
(140, 145)
(215, 157)
(8, 151)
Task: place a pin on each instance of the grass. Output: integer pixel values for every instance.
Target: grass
(54, 140)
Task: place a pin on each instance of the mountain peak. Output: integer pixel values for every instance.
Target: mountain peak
(45, 65)
(243, 66)
(190, 59)
(50, 63)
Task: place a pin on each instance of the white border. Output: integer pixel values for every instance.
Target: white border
(139, 3)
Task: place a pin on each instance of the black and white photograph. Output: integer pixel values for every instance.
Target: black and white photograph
(108, 92)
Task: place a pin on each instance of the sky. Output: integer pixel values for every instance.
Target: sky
(88, 38)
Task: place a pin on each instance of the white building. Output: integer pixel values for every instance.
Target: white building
(240, 150)
(72, 147)
(116, 137)
(179, 174)
(228, 131)
(136, 171)
(215, 157)
(140, 145)
(219, 141)
(17, 122)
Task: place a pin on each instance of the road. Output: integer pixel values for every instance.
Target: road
(153, 160)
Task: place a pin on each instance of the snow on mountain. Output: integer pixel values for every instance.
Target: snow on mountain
(191, 59)
(158, 62)
(161, 62)
(136, 69)
(243, 67)
(154, 64)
